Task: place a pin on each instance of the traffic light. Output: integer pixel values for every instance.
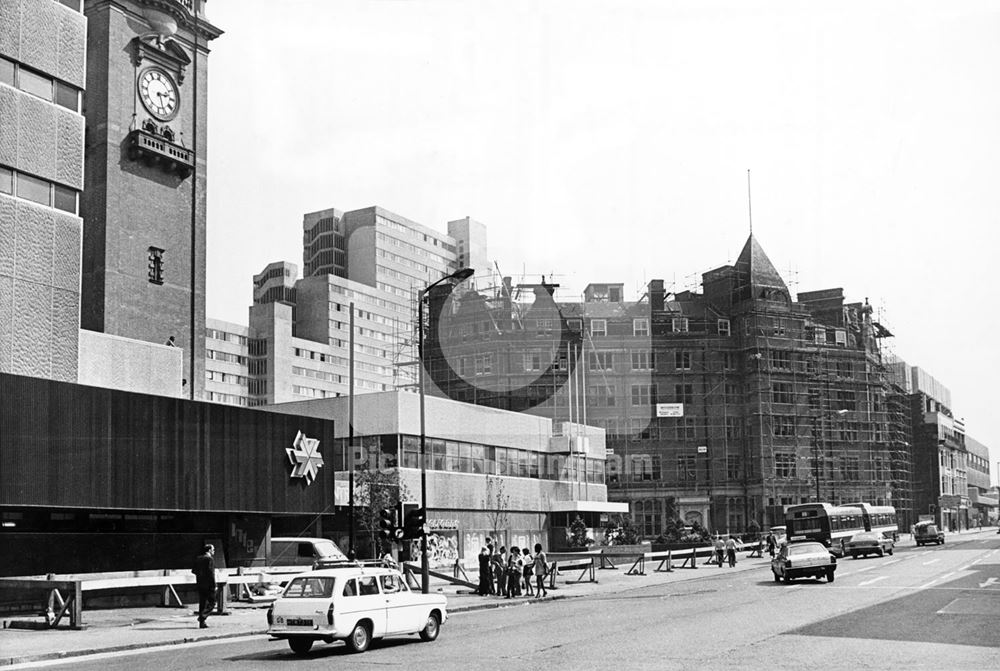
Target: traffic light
(414, 523)
(387, 524)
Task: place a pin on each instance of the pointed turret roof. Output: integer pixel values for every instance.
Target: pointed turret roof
(755, 269)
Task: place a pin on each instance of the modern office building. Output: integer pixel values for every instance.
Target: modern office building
(720, 406)
(546, 482)
(298, 339)
(42, 80)
(983, 507)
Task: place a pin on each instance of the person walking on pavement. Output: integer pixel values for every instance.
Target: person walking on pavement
(720, 550)
(731, 551)
(541, 568)
(500, 570)
(771, 544)
(204, 571)
(514, 567)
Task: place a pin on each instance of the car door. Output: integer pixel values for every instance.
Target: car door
(405, 612)
(369, 603)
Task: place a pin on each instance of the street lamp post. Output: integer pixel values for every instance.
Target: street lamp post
(457, 276)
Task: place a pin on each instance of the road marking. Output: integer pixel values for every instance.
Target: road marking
(926, 563)
(946, 575)
(867, 568)
(989, 581)
(892, 561)
(873, 580)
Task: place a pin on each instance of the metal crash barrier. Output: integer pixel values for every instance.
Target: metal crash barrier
(665, 566)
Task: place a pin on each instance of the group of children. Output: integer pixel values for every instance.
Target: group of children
(504, 573)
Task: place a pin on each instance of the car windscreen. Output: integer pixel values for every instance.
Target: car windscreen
(329, 551)
(810, 548)
(310, 588)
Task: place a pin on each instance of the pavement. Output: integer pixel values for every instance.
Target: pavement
(122, 629)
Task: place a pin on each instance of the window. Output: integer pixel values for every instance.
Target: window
(784, 464)
(72, 4)
(155, 265)
(846, 400)
(780, 359)
(783, 425)
(368, 585)
(723, 327)
(686, 468)
(532, 361)
(598, 327)
(642, 394)
(778, 327)
(6, 72)
(732, 428)
(310, 588)
(6, 181)
(601, 361)
(844, 369)
(484, 363)
(32, 188)
(782, 392)
(601, 395)
(64, 198)
(850, 468)
(642, 360)
(679, 324)
(34, 84)
(67, 96)
(733, 468)
(729, 360)
(640, 327)
(684, 393)
(682, 360)
(686, 429)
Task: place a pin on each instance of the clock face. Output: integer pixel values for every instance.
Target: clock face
(158, 94)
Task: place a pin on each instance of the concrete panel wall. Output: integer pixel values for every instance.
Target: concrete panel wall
(130, 365)
(39, 290)
(46, 36)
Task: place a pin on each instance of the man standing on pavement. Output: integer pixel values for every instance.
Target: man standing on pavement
(204, 571)
(731, 551)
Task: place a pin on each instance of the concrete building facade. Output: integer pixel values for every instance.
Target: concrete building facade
(42, 80)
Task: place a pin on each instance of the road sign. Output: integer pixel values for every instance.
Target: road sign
(703, 449)
(669, 409)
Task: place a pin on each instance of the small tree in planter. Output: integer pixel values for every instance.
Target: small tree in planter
(578, 537)
(622, 532)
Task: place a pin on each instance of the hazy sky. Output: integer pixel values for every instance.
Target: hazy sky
(609, 142)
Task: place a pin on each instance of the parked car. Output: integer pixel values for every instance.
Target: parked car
(925, 533)
(353, 603)
(869, 542)
(803, 559)
(292, 551)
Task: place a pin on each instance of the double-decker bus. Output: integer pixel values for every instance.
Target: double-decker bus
(830, 525)
(878, 518)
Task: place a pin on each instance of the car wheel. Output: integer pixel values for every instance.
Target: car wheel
(300, 646)
(787, 578)
(829, 575)
(889, 551)
(881, 552)
(360, 638)
(854, 555)
(431, 629)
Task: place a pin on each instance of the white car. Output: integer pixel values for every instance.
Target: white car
(803, 560)
(353, 603)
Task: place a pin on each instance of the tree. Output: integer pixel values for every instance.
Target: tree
(375, 489)
(578, 537)
(496, 503)
(621, 531)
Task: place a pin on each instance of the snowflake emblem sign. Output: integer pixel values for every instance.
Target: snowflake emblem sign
(305, 457)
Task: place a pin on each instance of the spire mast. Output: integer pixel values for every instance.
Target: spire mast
(749, 205)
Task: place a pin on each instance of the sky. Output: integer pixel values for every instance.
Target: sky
(610, 142)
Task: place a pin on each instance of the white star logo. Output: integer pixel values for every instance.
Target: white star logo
(305, 457)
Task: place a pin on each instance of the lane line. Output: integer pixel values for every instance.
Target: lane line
(946, 575)
(927, 563)
(873, 580)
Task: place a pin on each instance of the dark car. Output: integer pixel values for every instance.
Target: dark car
(803, 560)
(925, 533)
(869, 542)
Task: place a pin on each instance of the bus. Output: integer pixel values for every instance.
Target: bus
(830, 525)
(878, 518)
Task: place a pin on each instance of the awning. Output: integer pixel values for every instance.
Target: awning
(588, 507)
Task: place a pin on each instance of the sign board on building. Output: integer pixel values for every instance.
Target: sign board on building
(703, 449)
(669, 409)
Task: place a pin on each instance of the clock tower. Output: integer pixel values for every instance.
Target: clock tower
(143, 204)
